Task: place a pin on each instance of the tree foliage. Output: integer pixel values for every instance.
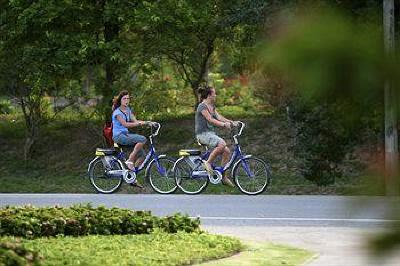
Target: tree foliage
(38, 51)
(48, 45)
(337, 66)
(189, 32)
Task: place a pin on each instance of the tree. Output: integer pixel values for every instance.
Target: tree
(391, 98)
(188, 32)
(335, 63)
(38, 51)
(107, 45)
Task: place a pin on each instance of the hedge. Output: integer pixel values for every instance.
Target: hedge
(33, 222)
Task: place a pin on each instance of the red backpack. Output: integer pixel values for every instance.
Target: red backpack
(107, 133)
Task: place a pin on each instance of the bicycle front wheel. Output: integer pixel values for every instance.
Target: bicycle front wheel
(161, 176)
(99, 179)
(185, 180)
(251, 176)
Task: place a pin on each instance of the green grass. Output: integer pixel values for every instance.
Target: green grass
(60, 159)
(45, 184)
(266, 254)
(161, 248)
(154, 249)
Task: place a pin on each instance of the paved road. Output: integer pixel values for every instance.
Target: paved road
(334, 227)
(234, 209)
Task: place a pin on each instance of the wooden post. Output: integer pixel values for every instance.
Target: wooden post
(391, 141)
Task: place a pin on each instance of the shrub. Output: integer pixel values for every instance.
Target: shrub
(5, 108)
(32, 222)
(322, 140)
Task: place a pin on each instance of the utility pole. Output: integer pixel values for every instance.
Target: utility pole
(391, 136)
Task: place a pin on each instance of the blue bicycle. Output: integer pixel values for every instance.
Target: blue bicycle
(251, 175)
(108, 169)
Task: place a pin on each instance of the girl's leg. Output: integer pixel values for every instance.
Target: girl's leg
(219, 149)
(132, 157)
(226, 156)
(216, 151)
(138, 149)
(212, 140)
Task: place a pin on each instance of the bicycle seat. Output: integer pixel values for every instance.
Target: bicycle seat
(189, 152)
(116, 145)
(202, 145)
(199, 143)
(105, 151)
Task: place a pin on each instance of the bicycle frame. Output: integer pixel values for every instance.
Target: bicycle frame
(237, 156)
(151, 155)
(192, 175)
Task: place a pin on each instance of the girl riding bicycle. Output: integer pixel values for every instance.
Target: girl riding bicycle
(206, 118)
(123, 119)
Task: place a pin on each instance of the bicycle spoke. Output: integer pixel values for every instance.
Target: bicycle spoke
(99, 179)
(186, 182)
(251, 176)
(161, 176)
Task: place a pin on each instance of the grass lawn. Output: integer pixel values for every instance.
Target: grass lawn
(157, 248)
(265, 254)
(161, 249)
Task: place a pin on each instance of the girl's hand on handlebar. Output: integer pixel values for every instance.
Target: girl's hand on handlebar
(227, 125)
(151, 123)
(236, 123)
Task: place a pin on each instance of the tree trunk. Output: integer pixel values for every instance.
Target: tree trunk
(391, 136)
(32, 116)
(30, 140)
(204, 70)
(195, 90)
(111, 32)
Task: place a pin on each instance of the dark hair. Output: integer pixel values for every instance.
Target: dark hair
(204, 92)
(117, 99)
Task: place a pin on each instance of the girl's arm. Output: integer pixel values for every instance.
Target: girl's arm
(214, 121)
(134, 122)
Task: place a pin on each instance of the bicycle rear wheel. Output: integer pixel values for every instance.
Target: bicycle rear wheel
(99, 179)
(160, 176)
(185, 180)
(251, 176)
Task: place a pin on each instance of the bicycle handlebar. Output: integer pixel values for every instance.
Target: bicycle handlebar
(158, 125)
(155, 124)
(241, 125)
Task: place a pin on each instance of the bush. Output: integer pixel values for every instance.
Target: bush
(32, 222)
(14, 253)
(340, 76)
(5, 108)
(322, 140)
